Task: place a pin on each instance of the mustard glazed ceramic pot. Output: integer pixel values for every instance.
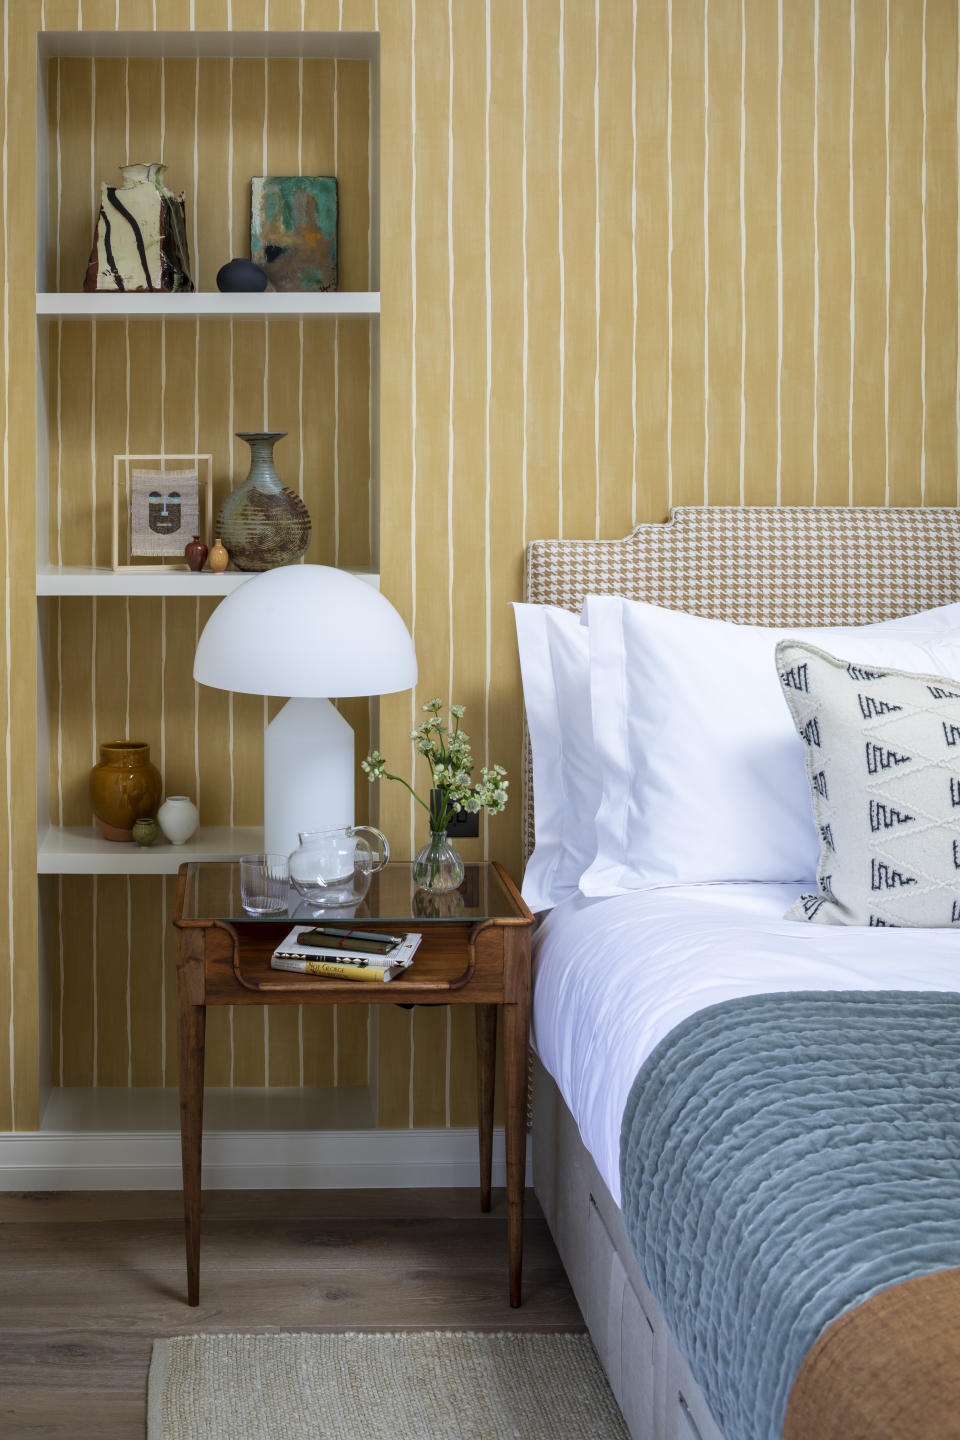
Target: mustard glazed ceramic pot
(124, 787)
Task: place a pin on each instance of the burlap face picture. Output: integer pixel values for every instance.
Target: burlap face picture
(164, 511)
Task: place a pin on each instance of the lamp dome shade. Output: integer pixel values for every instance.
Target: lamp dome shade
(309, 631)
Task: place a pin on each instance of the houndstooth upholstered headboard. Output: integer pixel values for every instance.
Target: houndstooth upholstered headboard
(760, 565)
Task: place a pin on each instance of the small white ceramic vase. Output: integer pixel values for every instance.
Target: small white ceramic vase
(178, 818)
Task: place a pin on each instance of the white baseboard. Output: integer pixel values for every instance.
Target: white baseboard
(251, 1160)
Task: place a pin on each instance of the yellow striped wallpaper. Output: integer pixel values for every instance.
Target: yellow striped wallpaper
(633, 253)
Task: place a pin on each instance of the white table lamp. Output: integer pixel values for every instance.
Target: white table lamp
(313, 633)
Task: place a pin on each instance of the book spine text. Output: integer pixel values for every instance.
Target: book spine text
(334, 969)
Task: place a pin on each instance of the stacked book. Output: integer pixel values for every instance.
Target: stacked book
(345, 954)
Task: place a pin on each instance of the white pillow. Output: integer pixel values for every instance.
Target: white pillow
(882, 750)
(702, 770)
(555, 664)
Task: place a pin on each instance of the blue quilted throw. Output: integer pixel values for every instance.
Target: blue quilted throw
(784, 1157)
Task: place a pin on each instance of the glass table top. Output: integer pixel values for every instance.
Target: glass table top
(212, 892)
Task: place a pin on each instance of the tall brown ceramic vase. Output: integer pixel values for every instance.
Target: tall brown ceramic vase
(263, 523)
(124, 787)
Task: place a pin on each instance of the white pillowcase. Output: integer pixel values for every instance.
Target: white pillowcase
(702, 770)
(555, 664)
(884, 768)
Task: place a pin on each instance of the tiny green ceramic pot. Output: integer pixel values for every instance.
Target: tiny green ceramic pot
(145, 831)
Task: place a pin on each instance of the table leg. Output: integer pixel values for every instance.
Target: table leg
(486, 1066)
(516, 1026)
(192, 1030)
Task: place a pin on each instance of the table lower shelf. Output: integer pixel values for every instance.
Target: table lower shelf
(442, 971)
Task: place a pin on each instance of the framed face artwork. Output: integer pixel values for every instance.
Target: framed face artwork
(158, 501)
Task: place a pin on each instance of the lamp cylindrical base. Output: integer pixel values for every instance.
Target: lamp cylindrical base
(308, 773)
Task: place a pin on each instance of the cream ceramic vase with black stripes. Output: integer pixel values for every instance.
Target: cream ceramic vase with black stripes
(141, 237)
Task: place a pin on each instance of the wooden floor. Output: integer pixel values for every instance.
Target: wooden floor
(88, 1281)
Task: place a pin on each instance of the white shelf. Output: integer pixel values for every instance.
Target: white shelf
(82, 850)
(98, 580)
(286, 305)
(87, 580)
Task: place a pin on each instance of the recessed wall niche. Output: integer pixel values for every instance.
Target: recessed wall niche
(180, 374)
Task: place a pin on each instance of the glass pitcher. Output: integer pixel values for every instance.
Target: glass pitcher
(333, 867)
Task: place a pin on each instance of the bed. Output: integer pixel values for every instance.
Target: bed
(600, 1012)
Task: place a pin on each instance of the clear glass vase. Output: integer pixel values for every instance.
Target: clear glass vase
(438, 868)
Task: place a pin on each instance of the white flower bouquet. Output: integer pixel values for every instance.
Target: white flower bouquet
(447, 751)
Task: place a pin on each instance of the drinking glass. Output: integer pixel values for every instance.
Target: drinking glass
(263, 884)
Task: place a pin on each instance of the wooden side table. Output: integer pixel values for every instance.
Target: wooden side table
(475, 951)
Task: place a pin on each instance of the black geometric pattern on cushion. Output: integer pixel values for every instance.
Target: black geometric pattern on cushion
(889, 828)
(880, 758)
(871, 706)
(884, 877)
(883, 817)
(811, 732)
(856, 672)
(795, 678)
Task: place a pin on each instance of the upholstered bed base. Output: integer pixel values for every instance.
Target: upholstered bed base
(649, 1377)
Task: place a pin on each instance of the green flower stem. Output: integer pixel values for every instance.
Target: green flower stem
(441, 821)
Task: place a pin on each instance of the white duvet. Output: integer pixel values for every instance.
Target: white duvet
(613, 976)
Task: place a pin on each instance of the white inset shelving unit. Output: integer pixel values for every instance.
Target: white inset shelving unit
(80, 850)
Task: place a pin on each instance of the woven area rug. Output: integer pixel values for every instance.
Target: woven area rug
(434, 1385)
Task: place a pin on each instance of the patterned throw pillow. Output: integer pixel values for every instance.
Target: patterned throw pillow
(883, 760)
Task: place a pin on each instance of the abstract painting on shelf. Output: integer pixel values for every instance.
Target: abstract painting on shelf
(293, 230)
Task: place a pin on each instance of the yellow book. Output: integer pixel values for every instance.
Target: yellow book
(336, 969)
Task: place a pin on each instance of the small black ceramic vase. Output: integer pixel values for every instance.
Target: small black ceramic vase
(241, 275)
